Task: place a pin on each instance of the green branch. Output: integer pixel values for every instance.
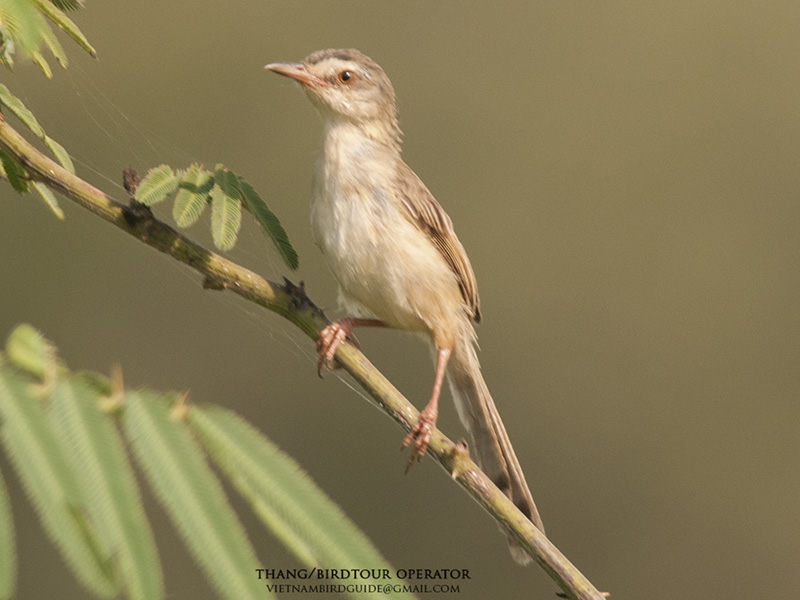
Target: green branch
(291, 302)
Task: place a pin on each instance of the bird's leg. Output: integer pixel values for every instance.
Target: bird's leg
(334, 334)
(421, 432)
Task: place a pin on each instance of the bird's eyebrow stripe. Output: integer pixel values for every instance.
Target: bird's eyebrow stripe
(339, 55)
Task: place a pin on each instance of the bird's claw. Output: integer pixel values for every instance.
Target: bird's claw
(329, 341)
(420, 434)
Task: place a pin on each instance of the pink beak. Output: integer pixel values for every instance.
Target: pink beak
(296, 71)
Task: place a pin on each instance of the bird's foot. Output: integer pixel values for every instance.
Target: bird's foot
(420, 434)
(334, 334)
(329, 341)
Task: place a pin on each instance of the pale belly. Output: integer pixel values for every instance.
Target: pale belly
(386, 265)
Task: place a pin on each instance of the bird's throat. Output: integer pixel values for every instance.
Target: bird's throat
(374, 132)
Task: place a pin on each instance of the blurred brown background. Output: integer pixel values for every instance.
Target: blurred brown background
(625, 177)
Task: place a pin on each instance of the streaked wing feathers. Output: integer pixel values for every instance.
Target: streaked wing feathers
(430, 216)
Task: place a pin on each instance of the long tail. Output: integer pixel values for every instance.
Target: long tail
(492, 448)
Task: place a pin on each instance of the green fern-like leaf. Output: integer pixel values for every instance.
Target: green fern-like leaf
(8, 560)
(50, 482)
(60, 154)
(71, 461)
(192, 496)
(20, 25)
(52, 12)
(24, 29)
(52, 43)
(49, 198)
(27, 349)
(283, 496)
(68, 4)
(19, 110)
(6, 50)
(269, 222)
(113, 501)
(226, 209)
(41, 62)
(159, 183)
(192, 196)
(226, 191)
(14, 173)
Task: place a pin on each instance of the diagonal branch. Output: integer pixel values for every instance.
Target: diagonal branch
(290, 301)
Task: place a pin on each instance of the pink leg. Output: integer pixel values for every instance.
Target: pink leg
(334, 334)
(421, 432)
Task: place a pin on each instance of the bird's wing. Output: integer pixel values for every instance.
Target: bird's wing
(422, 209)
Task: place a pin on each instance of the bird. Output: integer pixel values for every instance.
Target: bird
(394, 253)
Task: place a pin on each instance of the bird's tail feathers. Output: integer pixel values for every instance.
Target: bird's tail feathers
(491, 446)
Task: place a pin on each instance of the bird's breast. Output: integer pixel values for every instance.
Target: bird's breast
(380, 258)
(354, 219)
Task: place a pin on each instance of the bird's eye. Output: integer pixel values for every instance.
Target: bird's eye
(345, 76)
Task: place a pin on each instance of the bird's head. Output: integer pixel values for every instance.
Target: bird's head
(346, 85)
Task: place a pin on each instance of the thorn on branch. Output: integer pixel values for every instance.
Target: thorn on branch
(297, 294)
(300, 301)
(130, 181)
(459, 459)
(135, 212)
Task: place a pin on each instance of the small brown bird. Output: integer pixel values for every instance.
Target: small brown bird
(393, 251)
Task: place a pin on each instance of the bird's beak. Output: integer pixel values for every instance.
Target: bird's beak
(296, 71)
